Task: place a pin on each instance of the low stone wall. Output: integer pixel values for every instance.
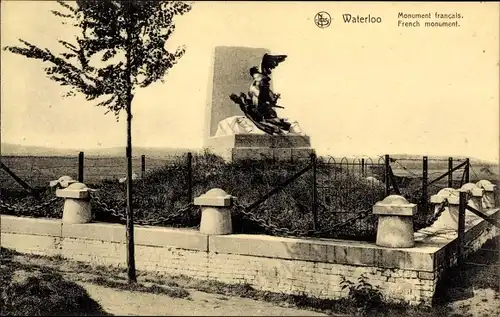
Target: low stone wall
(313, 267)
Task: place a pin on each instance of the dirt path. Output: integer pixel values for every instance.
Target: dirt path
(136, 303)
(127, 303)
(482, 303)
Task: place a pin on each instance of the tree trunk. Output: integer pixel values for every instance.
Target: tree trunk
(130, 214)
(132, 278)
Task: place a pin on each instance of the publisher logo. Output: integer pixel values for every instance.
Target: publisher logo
(322, 19)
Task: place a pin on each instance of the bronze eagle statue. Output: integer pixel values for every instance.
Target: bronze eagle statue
(259, 105)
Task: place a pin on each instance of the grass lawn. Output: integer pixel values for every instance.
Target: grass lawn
(31, 291)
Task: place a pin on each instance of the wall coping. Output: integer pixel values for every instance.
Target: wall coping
(431, 244)
(180, 238)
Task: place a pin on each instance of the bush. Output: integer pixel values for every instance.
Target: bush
(164, 190)
(363, 295)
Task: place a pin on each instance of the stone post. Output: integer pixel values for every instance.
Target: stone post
(373, 181)
(489, 193)
(449, 217)
(395, 222)
(215, 212)
(77, 208)
(476, 200)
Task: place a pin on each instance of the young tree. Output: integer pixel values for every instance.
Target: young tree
(120, 46)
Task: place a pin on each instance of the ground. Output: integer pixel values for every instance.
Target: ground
(163, 298)
(164, 295)
(200, 304)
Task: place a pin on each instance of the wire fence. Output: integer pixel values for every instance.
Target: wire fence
(38, 171)
(347, 186)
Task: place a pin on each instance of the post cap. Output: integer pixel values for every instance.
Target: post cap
(373, 180)
(486, 185)
(124, 179)
(75, 190)
(394, 205)
(473, 189)
(63, 181)
(215, 197)
(450, 194)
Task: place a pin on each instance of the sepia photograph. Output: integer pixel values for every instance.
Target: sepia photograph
(249, 158)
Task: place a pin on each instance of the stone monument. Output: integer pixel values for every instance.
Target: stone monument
(241, 122)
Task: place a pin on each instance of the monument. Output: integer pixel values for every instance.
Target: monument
(242, 122)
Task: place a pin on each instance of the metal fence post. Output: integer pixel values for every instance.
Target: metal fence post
(314, 192)
(450, 175)
(461, 229)
(80, 166)
(467, 167)
(143, 166)
(387, 179)
(425, 187)
(363, 172)
(190, 177)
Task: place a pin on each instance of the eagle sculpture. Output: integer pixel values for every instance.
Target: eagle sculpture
(259, 104)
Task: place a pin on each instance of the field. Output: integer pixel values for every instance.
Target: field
(37, 171)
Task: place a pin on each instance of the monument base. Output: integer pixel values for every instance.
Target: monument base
(260, 146)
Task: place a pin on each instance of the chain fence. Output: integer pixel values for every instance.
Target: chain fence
(434, 218)
(266, 225)
(157, 219)
(40, 209)
(189, 214)
(192, 211)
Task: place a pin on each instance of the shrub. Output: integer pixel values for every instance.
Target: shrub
(363, 295)
(164, 190)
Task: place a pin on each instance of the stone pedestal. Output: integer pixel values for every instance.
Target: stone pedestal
(215, 212)
(77, 208)
(476, 200)
(260, 146)
(395, 222)
(488, 200)
(449, 217)
(373, 181)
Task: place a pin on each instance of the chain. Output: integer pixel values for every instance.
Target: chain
(434, 218)
(362, 214)
(168, 219)
(19, 209)
(145, 222)
(96, 200)
(275, 230)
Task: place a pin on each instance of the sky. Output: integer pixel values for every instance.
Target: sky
(355, 89)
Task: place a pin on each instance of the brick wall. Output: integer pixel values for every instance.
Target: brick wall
(285, 265)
